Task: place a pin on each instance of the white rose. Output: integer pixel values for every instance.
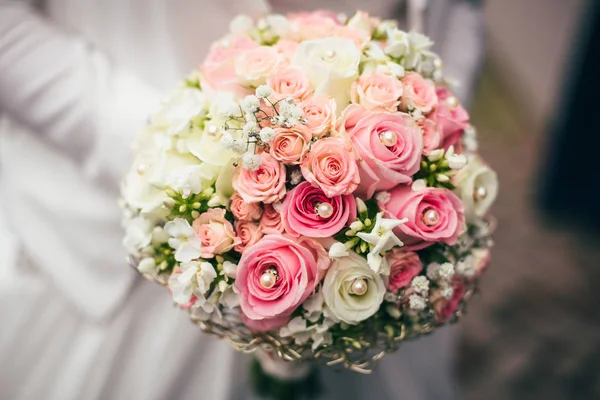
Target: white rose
(339, 289)
(362, 22)
(178, 110)
(477, 186)
(331, 65)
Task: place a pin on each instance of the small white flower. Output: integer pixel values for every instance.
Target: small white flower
(267, 134)
(466, 267)
(416, 302)
(456, 161)
(433, 271)
(435, 155)
(251, 161)
(183, 239)
(420, 284)
(383, 197)
(338, 250)
(419, 185)
(250, 127)
(313, 307)
(250, 104)
(393, 311)
(147, 266)
(195, 278)
(229, 269)
(361, 206)
(239, 146)
(227, 141)
(296, 177)
(398, 43)
(382, 239)
(446, 290)
(446, 271)
(263, 91)
(277, 24)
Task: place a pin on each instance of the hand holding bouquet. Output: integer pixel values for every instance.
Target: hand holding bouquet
(313, 189)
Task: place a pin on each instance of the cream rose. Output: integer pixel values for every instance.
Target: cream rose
(352, 291)
(477, 187)
(319, 112)
(331, 65)
(254, 66)
(376, 90)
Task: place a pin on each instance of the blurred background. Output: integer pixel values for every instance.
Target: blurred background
(533, 331)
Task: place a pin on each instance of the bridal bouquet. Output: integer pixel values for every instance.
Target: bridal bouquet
(313, 190)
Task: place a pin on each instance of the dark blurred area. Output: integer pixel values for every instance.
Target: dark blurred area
(533, 331)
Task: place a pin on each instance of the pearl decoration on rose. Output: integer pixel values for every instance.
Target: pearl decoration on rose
(324, 210)
(268, 278)
(359, 287)
(388, 138)
(452, 102)
(330, 53)
(480, 193)
(212, 129)
(431, 217)
(141, 169)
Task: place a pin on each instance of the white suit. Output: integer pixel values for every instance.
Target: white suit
(76, 83)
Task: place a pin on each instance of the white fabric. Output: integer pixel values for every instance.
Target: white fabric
(77, 80)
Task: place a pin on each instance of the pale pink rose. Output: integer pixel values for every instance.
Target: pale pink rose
(265, 325)
(287, 48)
(244, 211)
(313, 25)
(451, 117)
(376, 90)
(404, 266)
(249, 234)
(331, 165)
(419, 93)
(215, 232)
(290, 144)
(432, 135)
(254, 66)
(319, 111)
(445, 309)
(218, 69)
(434, 215)
(299, 212)
(193, 299)
(296, 269)
(270, 222)
(319, 252)
(289, 81)
(266, 184)
(384, 164)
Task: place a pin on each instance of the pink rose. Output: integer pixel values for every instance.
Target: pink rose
(215, 232)
(390, 145)
(319, 111)
(404, 266)
(331, 165)
(313, 25)
(287, 48)
(265, 325)
(249, 234)
(445, 309)
(432, 135)
(270, 222)
(302, 214)
(289, 81)
(320, 254)
(434, 215)
(218, 69)
(290, 144)
(244, 211)
(377, 90)
(266, 184)
(419, 93)
(254, 66)
(451, 117)
(293, 269)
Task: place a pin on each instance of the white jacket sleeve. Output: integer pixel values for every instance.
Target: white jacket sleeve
(67, 91)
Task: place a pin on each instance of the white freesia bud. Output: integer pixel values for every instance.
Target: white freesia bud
(443, 178)
(338, 250)
(250, 104)
(395, 69)
(229, 269)
(356, 226)
(241, 25)
(398, 43)
(456, 161)
(435, 155)
(147, 266)
(361, 206)
(419, 185)
(263, 91)
(416, 302)
(267, 134)
(251, 161)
